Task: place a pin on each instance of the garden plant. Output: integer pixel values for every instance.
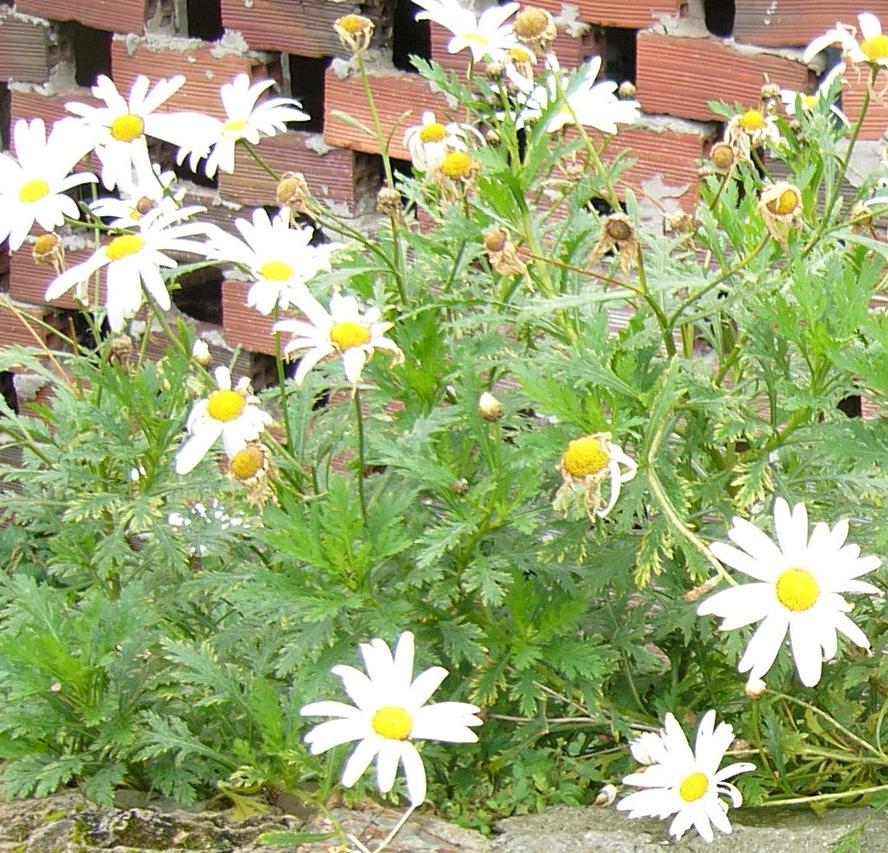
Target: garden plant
(554, 473)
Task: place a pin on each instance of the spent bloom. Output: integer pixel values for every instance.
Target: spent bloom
(117, 130)
(872, 48)
(677, 780)
(487, 35)
(134, 259)
(245, 120)
(229, 413)
(281, 259)
(430, 141)
(781, 208)
(586, 463)
(798, 588)
(33, 183)
(139, 195)
(751, 129)
(345, 330)
(389, 713)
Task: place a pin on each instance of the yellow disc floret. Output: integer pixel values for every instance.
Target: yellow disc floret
(434, 131)
(751, 120)
(693, 787)
(247, 462)
(234, 127)
(124, 246)
(531, 22)
(584, 456)
(457, 164)
(127, 127)
(392, 722)
(875, 48)
(225, 405)
(352, 24)
(276, 270)
(785, 204)
(519, 54)
(797, 589)
(349, 334)
(33, 190)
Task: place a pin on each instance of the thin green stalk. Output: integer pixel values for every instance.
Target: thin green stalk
(823, 798)
(665, 326)
(359, 419)
(282, 379)
(260, 160)
(377, 125)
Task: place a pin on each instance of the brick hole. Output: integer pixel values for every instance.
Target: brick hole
(618, 54)
(92, 52)
(409, 36)
(4, 115)
(263, 371)
(852, 406)
(205, 19)
(199, 295)
(307, 85)
(719, 16)
(7, 389)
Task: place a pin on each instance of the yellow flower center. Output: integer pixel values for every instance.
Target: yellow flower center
(349, 334)
(276, 271)
(245, 463)
(127, 127)
(353, 24)
(875, 48)
(808, 101)
(797, 589)
(752, 120)
(46, 243)
(33, 190)
(225, 405)
(433, 132)
(392, 722)
(693, 787)
(234, 127)
(519, 54)
(477, 38)
(584, 456)
(124, 246)
(531, 23)
(785, 204)
(457, 164)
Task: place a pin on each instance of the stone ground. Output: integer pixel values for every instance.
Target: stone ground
(69, 823)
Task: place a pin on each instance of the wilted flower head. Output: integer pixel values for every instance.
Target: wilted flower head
(535, 28)
(354, 31)
(781, 208)
(872, 48)
(502, 253)
(430, 141)
(390, 712)
(751, 129)
(618, 234)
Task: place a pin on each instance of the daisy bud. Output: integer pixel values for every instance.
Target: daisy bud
(755, 688)
(723, 156)
(120, 349)
(49, 251)
(354, 32)
(388, 202)
(145, 205)
(535, 27)
(492, 137)
(626, 90)
(489, 407)
(460, 486)
(501, 252)
(606, 795)
(292, 191)
(200, 352)
(494, 70)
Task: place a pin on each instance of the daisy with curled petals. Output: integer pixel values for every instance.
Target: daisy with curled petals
(487, 36)
(231, 414)
(872, 48)
(245, 120)
(430, 141)
(117, 130)
(139, 196)
(809, 102)
(278, 257)
(33, 183)
(677, 780)
(389, 713)
(134, 259)
(799, 586)
(345, 330)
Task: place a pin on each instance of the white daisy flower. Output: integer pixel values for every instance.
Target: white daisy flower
(684, 782)
(487, 36)
(133, 259)
(245, 120)
(578, 95)
(799, 586)
(34, 182)
(118, 129)
(279, 257)
(138, 196)
(430, 142)
(872, 48)
(751, 129)
(390, 713)
(231, 414)
(808, 102)
(344, 330)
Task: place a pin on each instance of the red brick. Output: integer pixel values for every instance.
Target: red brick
(28, 281)
(337, 176)
(50, 108)
(679, 75)
(24, 49)
(26, 325)
(304, 27)
(794, 22)
(631, 14)
(244, 326)
(122, 16)
(853, 90)
(205, 72)
(395, 93)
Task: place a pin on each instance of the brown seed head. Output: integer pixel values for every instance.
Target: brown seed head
(618, 229)
(723, 156)
(531, 22)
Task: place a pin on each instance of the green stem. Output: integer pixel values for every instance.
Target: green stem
(822, 798)
(359, 418)
(377, 125)
(665, 326)
(260, 160)
(282, 380)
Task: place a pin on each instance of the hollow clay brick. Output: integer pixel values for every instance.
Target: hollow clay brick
(244, 326)
(630, 14)
(24, 49)
(122, 16)
(794, 23)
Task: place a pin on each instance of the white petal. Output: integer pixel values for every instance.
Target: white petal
(195, 448)
(360, 760)
(765, 644)
(334, 733)
(803, 638)
(426, 684)
(870, 27)
(414, 772)
(329, 709)
(851, 631)
(387, 765)
(756, 543)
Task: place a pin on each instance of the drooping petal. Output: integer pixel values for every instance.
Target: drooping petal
(360, 760)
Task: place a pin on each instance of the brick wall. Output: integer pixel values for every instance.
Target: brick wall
(679, 53)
